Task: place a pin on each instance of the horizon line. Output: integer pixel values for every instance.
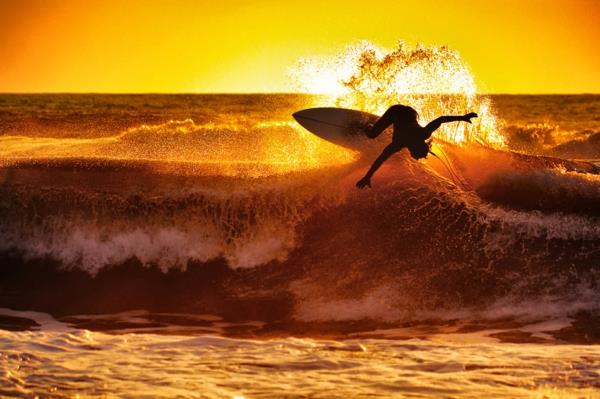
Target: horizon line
(271, 93)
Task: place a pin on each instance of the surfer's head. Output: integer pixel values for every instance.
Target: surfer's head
(405, 113)
(419, 150)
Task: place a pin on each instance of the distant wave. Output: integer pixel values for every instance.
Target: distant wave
(549, 191)
(251, 150)
(543, 138)
(587, 147)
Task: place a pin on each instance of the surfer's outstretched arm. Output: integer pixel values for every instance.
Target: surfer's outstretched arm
(385, 154)
(382, 123)
(436, 123)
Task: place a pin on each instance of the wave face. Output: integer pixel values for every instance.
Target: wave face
(217, 205)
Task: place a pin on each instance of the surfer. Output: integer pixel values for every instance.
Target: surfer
(407, 134)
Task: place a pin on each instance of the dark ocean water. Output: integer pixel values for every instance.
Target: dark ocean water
(200, 233)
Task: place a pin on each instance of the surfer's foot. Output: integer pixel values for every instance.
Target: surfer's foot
(364, 182)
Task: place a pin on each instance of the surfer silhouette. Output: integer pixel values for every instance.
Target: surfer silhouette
(407, 134)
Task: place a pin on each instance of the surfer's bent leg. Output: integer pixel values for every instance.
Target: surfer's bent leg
(385, 154)
(381, 124)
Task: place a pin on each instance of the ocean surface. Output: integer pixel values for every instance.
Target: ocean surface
(207, 246)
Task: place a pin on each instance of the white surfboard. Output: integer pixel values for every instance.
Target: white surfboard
(345, 127)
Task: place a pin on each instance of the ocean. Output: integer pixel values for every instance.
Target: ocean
(207, 246)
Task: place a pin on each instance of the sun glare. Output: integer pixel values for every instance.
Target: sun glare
(434, 80)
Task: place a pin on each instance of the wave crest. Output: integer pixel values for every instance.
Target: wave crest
(433, 80)
(260, 149)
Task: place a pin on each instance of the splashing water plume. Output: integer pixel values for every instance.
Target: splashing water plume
(433, 80)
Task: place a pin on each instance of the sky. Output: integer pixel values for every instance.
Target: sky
(525, 46)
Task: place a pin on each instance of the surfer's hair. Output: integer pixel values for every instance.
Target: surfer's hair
(419, 150)
(405, 113)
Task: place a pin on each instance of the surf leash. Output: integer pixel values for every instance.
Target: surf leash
(453, 175)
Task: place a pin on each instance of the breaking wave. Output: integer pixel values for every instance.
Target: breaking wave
(252, 217)
(417, 241)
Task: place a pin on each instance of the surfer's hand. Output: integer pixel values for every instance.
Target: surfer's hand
(364, 182)
(467, 117)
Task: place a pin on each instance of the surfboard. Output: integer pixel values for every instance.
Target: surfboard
(341, 126)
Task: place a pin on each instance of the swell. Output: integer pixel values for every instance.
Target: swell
(238, 148)
(576, 142)
(306, 245)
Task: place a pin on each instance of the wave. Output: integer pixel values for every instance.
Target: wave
(550, 139)
(305, 244)
(586, 146)
(237, 148)
(367, 77)
(240, 213)
(96, 217)
(548, 191)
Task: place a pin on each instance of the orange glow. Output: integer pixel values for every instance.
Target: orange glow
(238, 46)
(176, 142)
(433, 80)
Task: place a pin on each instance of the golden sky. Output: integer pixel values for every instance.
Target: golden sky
(512, 46)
